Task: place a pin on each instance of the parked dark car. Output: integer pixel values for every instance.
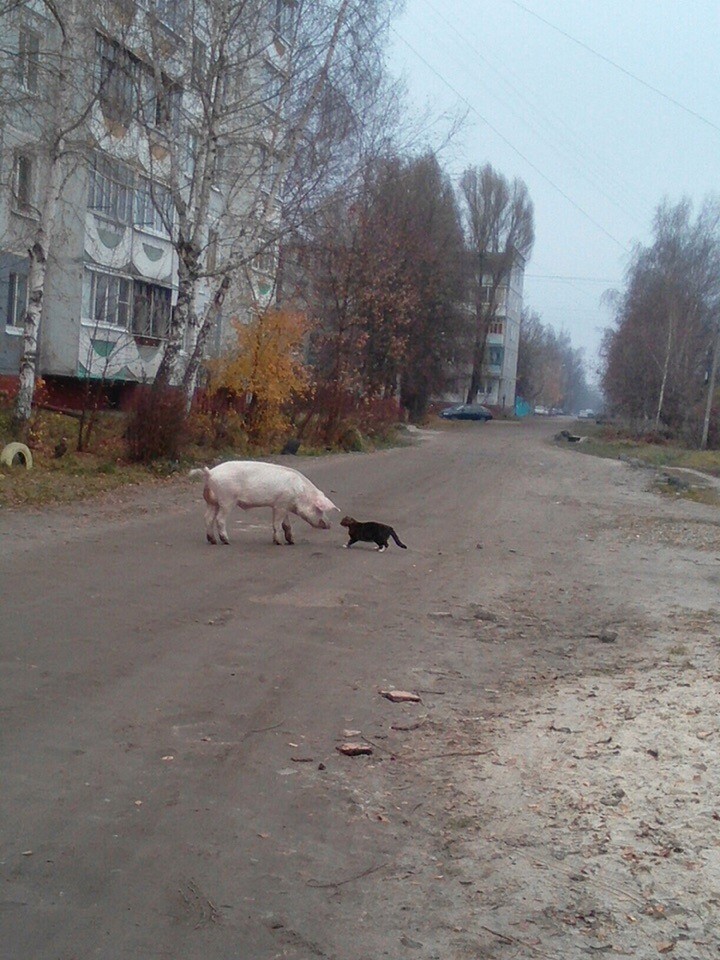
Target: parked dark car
(466, 411)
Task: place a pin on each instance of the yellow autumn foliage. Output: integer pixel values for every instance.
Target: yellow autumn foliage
(265, 368)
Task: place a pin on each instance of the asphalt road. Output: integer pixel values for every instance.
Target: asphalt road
(170, 711)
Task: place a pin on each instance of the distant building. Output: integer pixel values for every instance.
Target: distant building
(499, 374)
(112, 275)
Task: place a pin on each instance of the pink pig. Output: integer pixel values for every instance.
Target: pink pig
(249, 483)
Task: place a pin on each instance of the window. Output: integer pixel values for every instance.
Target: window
(17, 300)
(153, 206)
(136, 305)
(212, 251)
(496, 327)
(220, 164)
(171, 13)
(23, 180)
(111, 189)
(199, 62)
(118, 78)
(272, 81)
(283, 18)
(495, 356)
(168, 99)
(267, 167)
(151, 309)
(28, 60)
(107, 299)
(266, 259)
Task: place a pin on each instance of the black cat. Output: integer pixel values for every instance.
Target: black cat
(370, 532)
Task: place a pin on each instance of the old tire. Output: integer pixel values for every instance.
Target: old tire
(13, 450)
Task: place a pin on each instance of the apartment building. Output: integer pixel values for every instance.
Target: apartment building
(142, 172)
(503, 300)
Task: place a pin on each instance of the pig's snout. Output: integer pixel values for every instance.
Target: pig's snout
(324, 524)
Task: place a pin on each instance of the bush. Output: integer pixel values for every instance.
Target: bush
(156, 426)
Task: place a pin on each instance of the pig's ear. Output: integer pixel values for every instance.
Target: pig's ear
(326, 504)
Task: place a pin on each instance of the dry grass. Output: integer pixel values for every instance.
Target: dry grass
(79, 476)
(74, 476)
(610, 442)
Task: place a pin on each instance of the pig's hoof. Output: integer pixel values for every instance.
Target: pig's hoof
(224, 540)
(211, 539)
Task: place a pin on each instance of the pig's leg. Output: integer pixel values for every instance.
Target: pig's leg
(210, 517)
(287, 529)
(279, 525)
(223, 511)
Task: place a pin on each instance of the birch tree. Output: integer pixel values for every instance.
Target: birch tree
(657, 353)
(246, 106)
(499, 221)
(46, 96)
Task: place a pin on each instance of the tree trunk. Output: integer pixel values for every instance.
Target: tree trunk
(666, 367)
(189, 381)
(38, 254)
(711, 388)
(168, 373)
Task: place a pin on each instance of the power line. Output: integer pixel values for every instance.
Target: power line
(628, 73)
(596, 181)
(512, 146)
(557, 276)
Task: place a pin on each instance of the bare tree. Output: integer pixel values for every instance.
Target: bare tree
(47, 96)
(499, 226)
(656, 355)
(550, 371)
(252, 101)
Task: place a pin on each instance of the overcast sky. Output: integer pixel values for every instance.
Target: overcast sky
(598, 148)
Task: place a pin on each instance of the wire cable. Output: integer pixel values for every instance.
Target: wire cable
(628, 73)
(508, 143)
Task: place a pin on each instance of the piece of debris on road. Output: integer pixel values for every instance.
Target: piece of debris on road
(400, 696)
(354, 749)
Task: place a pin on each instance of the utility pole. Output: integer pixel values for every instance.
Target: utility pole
(711, 387)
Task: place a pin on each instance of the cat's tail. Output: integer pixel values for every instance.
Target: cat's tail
(397, 539)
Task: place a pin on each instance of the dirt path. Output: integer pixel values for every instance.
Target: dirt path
(171, 712)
